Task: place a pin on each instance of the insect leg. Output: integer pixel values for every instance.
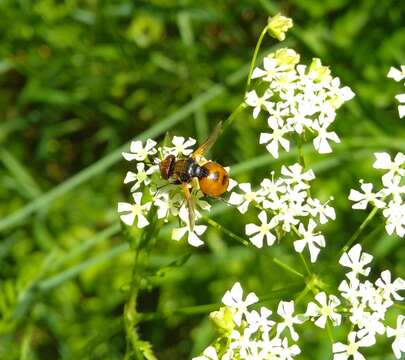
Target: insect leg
(190, 206)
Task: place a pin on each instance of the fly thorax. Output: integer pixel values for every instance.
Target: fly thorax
(199, 171)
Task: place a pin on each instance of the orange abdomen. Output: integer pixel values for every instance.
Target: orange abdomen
(217, 180)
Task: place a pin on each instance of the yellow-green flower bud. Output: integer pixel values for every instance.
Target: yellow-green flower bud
(287, 57)
(223, 320)
(278, 25)
(318, 71)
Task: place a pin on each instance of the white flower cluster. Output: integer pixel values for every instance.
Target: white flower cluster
(399, 75)
(254, 335)
(150, 189)
(296, 98)
(367, 304)
(391, 197)
(250, 334)
(286, 201)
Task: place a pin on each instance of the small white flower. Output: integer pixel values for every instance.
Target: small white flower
(321, 143)
(258, 103)
(288, 352)
(324, 211)
(209, 354)
(259, 321)
(396, 74)
(241, 342)
(401, 108)
(393, 187)
(272, 188)
(168, 203)
(383, 161)
(181, 146)
(371, 324)
(356, 260)
(325, 310)
(234, 299)
(140, 177)
(390, 289)
(139, 152)
(342, 351)
(244, 200)
(193, 236)
(262, 231)
(350, 290)
(295, 175)
(132, 211)
(276, 137)
(368, 196)
(286, 311)
(398, 346)
(395, 218)
(274, 68)
(309, 238)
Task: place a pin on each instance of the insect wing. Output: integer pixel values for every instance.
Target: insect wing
(190, 206)
(207, 143)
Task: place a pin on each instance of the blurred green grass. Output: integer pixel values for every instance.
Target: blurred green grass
(80, 79)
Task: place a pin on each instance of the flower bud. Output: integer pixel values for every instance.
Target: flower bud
(318, 71)
(223, 320)
(287, 57)
(278, 26)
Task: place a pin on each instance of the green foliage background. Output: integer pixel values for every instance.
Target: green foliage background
(78, 79)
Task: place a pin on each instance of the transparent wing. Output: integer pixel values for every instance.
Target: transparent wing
(190, 206)
(207, 143)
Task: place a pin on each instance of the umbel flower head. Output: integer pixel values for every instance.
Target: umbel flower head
(149, 190)
(296, 98)
(390, 198)
(253, 334)
(285, 203)
(367, 305)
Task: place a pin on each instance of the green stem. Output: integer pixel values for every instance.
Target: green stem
(207, 308)
(359, 230)
(307, 268)
(228, 232)
(143, 246)
(301, 158)
(256, 52)
(287, 267)
(329, 330)
(302, 294)
(131, 317)
(230, 119)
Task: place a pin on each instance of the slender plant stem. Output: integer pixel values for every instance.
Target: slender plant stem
(359, 230)
(130, 313)
(329, 330)
(307, 268)
(302, 294)
(287, 267)
(228, 232)
(254, 58)
(143, 246)
(230, 119)
(301, 158)
(207, 308)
